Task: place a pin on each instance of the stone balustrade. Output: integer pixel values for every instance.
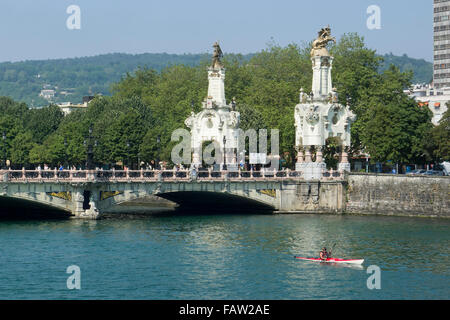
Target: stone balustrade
(154, 175)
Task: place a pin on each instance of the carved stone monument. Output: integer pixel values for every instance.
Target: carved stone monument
(319, 115)
(217, 120)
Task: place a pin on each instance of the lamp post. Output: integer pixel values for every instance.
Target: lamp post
(367, 164)
(139, 160)
(90, 151)
(128, 154)
(4, 147)
(65, 152)
(224, 153)
(158, 142)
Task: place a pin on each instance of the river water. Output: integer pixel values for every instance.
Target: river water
(224, 257)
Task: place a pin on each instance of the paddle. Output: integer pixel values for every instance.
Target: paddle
(331, 250)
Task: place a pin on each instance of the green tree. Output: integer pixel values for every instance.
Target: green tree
(439, 139)
(21, 146)
(393, 126)
(42, 122)
(124, 137)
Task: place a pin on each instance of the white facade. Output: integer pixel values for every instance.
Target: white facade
(47, 94)
(216, 121)
(435, 99)
(67, 107)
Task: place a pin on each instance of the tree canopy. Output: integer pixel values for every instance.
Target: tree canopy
(148, 104)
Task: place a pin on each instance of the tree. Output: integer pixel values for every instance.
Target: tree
(393, 126)
(123, 138)
(42, 122)
(331, 150)
(439, 138)
(21, 147)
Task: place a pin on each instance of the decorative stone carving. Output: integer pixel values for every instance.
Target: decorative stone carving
(234, 120)
(312, 115)
(319, 45)
(303, 96)
(217, 55)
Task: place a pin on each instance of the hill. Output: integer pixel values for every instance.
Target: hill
(70, 79)
(423, 70)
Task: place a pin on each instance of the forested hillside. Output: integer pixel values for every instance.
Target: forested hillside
(71, 79)
(423, 70)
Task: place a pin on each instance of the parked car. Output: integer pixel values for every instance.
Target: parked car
(418, 171)
(434, 173)
(446, 167)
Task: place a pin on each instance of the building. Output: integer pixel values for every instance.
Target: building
(436, 95)
(68, 107)
(441, 74)
(436, 100)
(47, 94)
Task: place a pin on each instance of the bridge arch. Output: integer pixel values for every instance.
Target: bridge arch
(17, 207)
(192, 201)
(207, 201)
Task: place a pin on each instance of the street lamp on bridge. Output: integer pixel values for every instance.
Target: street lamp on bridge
(4, 147)
(224, 153)
(128, 154)
(158, 142)
(90, 151)
(65, 153)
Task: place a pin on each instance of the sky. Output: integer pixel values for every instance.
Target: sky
(37, 29)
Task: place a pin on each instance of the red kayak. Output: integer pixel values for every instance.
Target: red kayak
(333, 260)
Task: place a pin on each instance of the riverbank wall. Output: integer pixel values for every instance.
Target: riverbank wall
(399, 195)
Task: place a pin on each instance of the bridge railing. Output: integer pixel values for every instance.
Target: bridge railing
(27, 175)
(154, 175)
(332, 175)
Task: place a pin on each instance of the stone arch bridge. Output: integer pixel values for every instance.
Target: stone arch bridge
(89, 194)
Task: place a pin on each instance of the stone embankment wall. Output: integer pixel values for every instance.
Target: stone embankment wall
(399, 195)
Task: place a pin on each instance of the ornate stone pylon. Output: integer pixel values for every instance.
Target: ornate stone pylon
(319, 115)
(217, 120)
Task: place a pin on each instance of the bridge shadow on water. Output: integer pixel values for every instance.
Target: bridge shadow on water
(20, 209)
(188, 203)
(206, 203)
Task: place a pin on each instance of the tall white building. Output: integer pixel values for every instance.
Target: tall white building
(436, 95)
(441, 74)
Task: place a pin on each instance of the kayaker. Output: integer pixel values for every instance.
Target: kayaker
(324, 254)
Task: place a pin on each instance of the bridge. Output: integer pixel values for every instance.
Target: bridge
(90, 193)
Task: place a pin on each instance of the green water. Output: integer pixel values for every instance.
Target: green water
(224, 257)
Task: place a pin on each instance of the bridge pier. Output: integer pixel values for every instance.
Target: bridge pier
(84, 204)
